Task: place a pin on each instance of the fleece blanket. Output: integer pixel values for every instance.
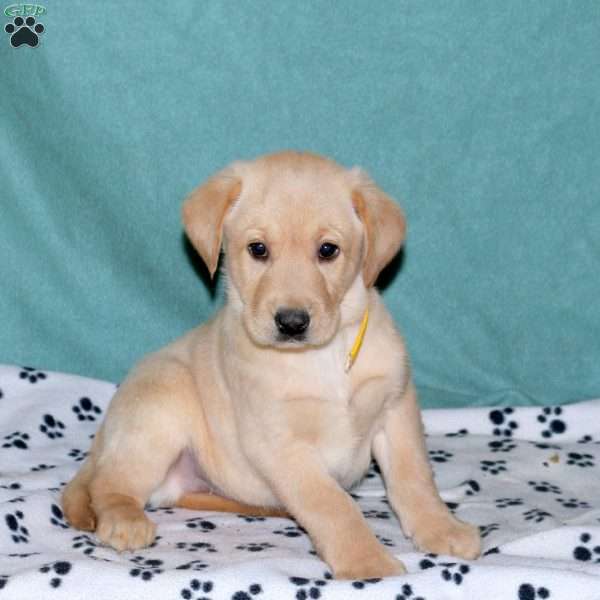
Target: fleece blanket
(528, 477)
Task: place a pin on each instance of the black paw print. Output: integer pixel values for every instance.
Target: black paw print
(197, 590)
(459, 433)
(57, 518)
(504, 445)
(11, 486)
(485, 530)
(580, 460)
(16, 440)
(310, 588)
(29, 373)
(529, 592)
(537, 515)
(195, 546)
(86, 410)
(472, 487)
(572, 503)
(251, 519)
(200, 523)
(77, 454)
(385, 541)
(3, 580)
(374, 471)
(440, 456)
(501, 418)
(146, 568)
(291, 531)
(554, 426)
(52, 427)
(85, 543)
(24, 32)
(506, 502)
(42, 467)
(544, 486)
(585, 552)
(493, 467)
(361, 584)
(586, 439)
(253, 590)
(193, 565)
(455, 573)
(59, 568)
(376, 514)
(18, 532)
(255, 546)
(408, 594)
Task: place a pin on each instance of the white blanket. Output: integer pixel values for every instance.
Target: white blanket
(529, 477)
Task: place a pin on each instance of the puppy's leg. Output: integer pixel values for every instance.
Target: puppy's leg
(334, 522)
(402, 456)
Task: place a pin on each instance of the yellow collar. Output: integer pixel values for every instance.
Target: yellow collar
(357, 341)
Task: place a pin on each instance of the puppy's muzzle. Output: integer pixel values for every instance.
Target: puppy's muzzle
(292, 323)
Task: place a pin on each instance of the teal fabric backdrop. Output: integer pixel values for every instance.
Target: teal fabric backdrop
(481, 118)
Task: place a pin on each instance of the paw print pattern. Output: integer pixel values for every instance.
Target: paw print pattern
(59, 569)
(537, 515)
(407, 594)
(529, 592)
(459, 433)
(291, 531)
(374, 471)
(255, 546)
(585, 552)
(42, 467)
(549, 418)
(52, 427)
(485, 530)
(253, 590)
(579, 459)
(472, 487)
(376, 514)
(385, 541)
(440, 456)
(201, 524)
(24, 32)
(58, 519)
(504, 425)
(77, 454)
(503, 445)
(85, 543)
(544, 486)
(197, 590)
(493, 467)
(572, 503)
(361, 584)
(86, 410)
(193, 565)
(146, 568)
(506, 502)
(455, 573)
(251, 519)
(29, 373)
(11, 486)
(3, 581)
(195, 546)
(18, 532)
(310, 588)
(16, 439)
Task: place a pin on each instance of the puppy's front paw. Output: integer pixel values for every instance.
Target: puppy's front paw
(125, 528)
(448, 535)
(371, 567)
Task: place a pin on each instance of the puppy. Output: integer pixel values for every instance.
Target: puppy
(277, 404)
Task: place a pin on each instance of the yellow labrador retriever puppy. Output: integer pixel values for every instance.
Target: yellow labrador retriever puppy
(277, 404)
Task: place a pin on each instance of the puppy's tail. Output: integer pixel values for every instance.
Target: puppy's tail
(211, 502)
(76, 500)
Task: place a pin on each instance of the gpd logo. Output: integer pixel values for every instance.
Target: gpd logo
(24, 29)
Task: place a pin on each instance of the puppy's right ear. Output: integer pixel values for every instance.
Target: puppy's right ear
(204, 211)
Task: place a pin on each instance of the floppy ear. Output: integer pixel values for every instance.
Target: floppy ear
(384, 224)
(204, 211)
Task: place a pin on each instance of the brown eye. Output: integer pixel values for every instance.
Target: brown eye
(328, 251)
(258, 250)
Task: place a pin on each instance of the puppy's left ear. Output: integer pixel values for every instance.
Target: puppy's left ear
(204, 211)
(384, 223)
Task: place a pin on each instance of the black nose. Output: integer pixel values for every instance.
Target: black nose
(291, 321)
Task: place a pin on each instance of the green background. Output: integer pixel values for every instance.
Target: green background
(481, 118)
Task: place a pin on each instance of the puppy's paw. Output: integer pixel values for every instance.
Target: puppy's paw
(448, 535)
(371, 567)
(125, 528)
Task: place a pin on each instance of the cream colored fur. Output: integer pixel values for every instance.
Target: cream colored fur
(233, 412)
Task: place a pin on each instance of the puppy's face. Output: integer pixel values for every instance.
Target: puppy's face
(298, 230)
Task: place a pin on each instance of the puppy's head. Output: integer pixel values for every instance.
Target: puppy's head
(299, 232)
